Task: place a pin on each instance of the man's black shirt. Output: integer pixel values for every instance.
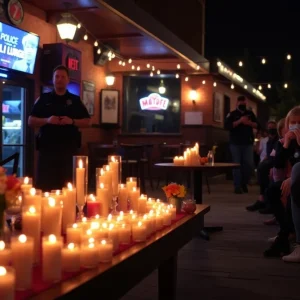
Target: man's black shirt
(51, 104)
(241, 134)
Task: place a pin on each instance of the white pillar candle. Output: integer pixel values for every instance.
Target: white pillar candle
(33, 197)
(131, 182)
(124, 233)
(148, 224)
(114, 166)
(89, 256)
(167, 218)
(22, 256)
(108, 173)
(102, 178)
(80, 183)
(123, 198)
(86, 235)
(26, 185)
(158, 221)
(7, 283)
(139, 232)
(74, 233)
(52, 258)
(71, 258)
(142, 204)
(5, 254)
(134, 195)
(103, 196)
(176, 160)
(181, 161)
(31, 226)
(113, 234)
(69, 207)
(52, 217)
(105, 251)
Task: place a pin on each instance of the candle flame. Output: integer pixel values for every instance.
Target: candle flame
(2, 245)
(46, 194)
(97, 217)
(2, 271)
(22, 238)
(32, 191)
(80, 164)
(26, 180)
(104, 225)
(91, 245)
(102, 172)
(119, 218)
(101, 186)
(157, 200)
(134, 189)
(130, 179)
(84, 219)
(95, 225)
(52, 238)
(121, 213)
(51, 202)
(32, 210)
(89, 232)
(123, 225)
(71, 246)
(145, 217)
(92, 197)
(103, 242)
(107, 168)
(75, 225)
(91, 240)
(131, 212)
(70, 186)
(57, 192)
(113, 159)
(176, 157)
(111, 226)
(122, 186)
(140, 223)
(109, 217)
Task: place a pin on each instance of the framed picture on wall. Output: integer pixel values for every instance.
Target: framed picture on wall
(218, 107)
(88, 96)
(109, 107)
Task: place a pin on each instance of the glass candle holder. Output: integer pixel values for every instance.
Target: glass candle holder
(100, 178)
(7, 282)
(5, 253)
(71, 258)
(26, 183)
(80, 181)
(123, 198)
(131, 182)
(105, 250)
(89, 256)
(115, 164)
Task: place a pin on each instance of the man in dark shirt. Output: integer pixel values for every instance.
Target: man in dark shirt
(264, 168)
(58, 115)
(240, 123)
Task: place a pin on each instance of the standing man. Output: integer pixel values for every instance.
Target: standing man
(58, 115)
(240, 123)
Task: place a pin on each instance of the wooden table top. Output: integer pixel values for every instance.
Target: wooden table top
(206, 166)
(131, 265)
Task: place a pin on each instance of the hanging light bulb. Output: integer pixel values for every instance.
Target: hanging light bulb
(79, 25)
(99, 51)
(153, 68)
(240, 63)
(178, 66)
(132, 67)
(120, 62)
(158, 72)
(138, 68)
(148, 66)
(215, 84)
(177, 75)
(186, 78)
(124, 64)
(151, 74)
(245, 86)
(289, 57)
(110, 79)
(162, 88)
(232, 86)
(96, 44)
(219, 64)
(66, 27)
(85, 37)
(263, 61)
(269, 86)
(198, 67)
(113, 55)
(286, 86)
(203, 82)
(260, 87)
(129, 60)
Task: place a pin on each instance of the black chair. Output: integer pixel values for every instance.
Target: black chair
(15, 157)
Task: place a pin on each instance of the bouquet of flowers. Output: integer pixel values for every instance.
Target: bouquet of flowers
(10, 187)
(174, 190)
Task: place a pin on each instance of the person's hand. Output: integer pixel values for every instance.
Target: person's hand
(54, 120)
(286, 188)
(245, 120)
(297, 134)
(66, 120)
(290, 135)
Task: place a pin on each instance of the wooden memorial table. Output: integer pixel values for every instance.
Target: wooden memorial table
(196, 184)
(129, 267)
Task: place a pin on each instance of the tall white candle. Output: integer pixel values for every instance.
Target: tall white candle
(109, 186)
(74, 233)
(142, 204)
(69, 207)
(134, 195)
(80, 183)
(31, 226)
(114, 166)
(26, 185)
(7, 283)
(71, 258)
(52, 261)
(52, 218)
(123, 198)
(5, 254)
(131, 182)
(22, 256)
(103, 197)
(33, 197)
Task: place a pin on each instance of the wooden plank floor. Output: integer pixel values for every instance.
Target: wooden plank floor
(230, 265)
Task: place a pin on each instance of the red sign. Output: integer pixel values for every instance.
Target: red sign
(73, 64)
(15, 11)
(154, 102)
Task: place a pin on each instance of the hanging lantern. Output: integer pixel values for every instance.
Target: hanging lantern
(110, 79)
(66, 27)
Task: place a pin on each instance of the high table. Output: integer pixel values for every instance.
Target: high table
(114, 280)
(196, 184)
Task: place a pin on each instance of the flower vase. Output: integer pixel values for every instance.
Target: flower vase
(176, 202)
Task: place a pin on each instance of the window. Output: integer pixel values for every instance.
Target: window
(151, 105)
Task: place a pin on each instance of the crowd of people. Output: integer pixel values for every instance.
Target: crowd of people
(278, 173)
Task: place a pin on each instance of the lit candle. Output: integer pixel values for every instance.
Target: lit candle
(101, 179)
(180, 161)
(89, 255)
(105, 251)
(158, 221)
(167, 218)
(131, 182)
(44, 200)
(109, 175)
(34, 197)
(142, 204)
(52, 258)
(26, 185)
(124, 233)
(7, 283)
(86, 235)
(123, 198)
(172, 209)
(52, 218)
(139, 232)
(93, 206)
(5, 254)
(114, 166)
(148, 224)
(31, 226)
(113, 234)
(175, 160)
(134, 195)
(74, 233)
(103, 196)
(80, 183)
(69, 206)
(71, 258)
(22, 257)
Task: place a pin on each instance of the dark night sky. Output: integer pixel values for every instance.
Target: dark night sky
(266, 28)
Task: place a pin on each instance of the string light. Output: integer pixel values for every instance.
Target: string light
(178, 66)
(240, 63)
(151, 74)
(285, 85)
(289, 57)
(245, 86)
(232, 86)
(138, 68)
(129, 60)
(203, 82)
(177, 75)
(148, 66)
(158, 72)
(260, 87)
(263, 61)
(96, 44)
(186, 78)
(198, 67)
(269, 85)
(215, 84)
(85, 37)
(99, 51)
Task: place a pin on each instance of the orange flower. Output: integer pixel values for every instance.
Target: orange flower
(174, 190)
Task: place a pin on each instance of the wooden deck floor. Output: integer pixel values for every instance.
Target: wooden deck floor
(230, 265)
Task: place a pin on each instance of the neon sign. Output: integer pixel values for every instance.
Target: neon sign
(154, 102)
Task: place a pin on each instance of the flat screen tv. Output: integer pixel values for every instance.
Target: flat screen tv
(18, 49)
